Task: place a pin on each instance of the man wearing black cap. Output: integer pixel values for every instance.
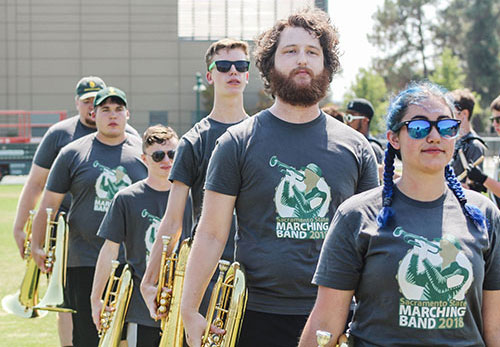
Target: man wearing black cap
(358, 116)
(90, 168)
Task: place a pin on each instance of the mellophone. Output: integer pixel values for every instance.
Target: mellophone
(25, 303)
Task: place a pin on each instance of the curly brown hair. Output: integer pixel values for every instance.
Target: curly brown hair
(316, 22)
(157, 134)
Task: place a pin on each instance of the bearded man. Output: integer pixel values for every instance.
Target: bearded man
(255, 168)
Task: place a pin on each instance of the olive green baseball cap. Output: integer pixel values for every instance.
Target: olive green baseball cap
(109, 92)
(88, 87)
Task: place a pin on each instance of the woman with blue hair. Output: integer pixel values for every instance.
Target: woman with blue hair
(420, 255)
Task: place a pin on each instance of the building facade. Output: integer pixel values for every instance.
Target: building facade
(151, 49)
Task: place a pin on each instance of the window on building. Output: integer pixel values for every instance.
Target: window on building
(241, 19)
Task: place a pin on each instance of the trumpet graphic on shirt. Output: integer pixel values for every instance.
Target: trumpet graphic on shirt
(111, 180)
(153, 227)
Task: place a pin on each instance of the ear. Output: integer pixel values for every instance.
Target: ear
(208, 76)
(143, 158)
(128, 114)
(247, 75)
(393, 139)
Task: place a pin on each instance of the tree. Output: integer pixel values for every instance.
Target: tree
(402, 29)
(448, 72)
(483, 50)
(370, 86)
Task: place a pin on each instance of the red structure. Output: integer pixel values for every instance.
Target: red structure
(19, 126)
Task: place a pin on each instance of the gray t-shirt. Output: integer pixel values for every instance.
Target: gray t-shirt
(93, 173)
(378, 149)
(473, 149)
(289, 179)
(191, 163)
(58, 136)
(133, 218)
(419, 280)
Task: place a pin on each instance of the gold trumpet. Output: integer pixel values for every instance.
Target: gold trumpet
(56, 250)
(227, 306)
(22, 302)
(117, 296)
(170, 285)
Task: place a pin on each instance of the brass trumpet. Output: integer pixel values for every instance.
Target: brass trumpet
(227, 306)
(171, 326)
(117, 296)
(56, 250)
(415, 240)
(22, 302)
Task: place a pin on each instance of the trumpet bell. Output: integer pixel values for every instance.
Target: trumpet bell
(54, 296)
(12, 305)
(112, 335)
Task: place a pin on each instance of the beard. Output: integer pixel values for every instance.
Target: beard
(299, 95)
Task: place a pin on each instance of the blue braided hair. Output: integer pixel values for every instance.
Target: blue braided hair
(387, 212)
(470, 211)
(415, 93)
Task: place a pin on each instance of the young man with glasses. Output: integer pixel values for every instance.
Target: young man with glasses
(133, 219)
(227, 70)
(285, 171)
(469, 147)
(358, 116)
(92, 169)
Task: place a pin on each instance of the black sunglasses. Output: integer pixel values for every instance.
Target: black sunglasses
(158, 156)
(420, 128)
(495, 119)
(225, 65)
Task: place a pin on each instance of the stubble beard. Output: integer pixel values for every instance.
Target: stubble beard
(294, 94)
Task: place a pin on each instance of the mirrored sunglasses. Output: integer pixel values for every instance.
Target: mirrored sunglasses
(158, 156)
(419, 128)
(348, 118)
(225, 65)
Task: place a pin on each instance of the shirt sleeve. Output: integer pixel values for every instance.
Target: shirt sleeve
(224, 174)
(184, 166)
(59, 180)
(47, 151)
(341, 259)
(113, 226)
(492, 256)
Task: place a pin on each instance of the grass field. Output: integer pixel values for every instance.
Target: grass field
(15, 331)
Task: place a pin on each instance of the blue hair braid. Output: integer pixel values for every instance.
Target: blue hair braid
(387, 212)
(470, 211)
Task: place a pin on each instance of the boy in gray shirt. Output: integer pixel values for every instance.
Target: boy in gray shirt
(134, 218)
(89, 168)
(227, 69)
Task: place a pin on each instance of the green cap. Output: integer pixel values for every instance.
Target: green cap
(88, 87)
(108, 92)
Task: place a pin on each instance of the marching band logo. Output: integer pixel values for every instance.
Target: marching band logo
(109, 182)
(433, 278)
(302, 201)
(150, 235)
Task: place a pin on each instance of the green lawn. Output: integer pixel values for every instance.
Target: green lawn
(15, 331)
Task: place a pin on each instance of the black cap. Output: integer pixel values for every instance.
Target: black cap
(362, 106)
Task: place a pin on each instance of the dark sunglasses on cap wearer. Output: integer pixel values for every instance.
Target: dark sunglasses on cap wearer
(419, 128)
(225, 65)
(158, 156)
